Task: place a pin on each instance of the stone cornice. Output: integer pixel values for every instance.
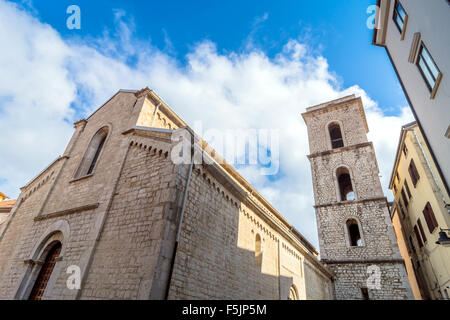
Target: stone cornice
(362, 261)
(163, 107)
(67, 212)
(339, 150)
(143, 92)
(350, 202)
(79, 123)
(335, 105)
(156, 133)
(24, 188)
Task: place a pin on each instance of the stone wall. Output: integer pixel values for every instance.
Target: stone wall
(348, 116)
(350, 278)
(362, 167)
(124, 261)
(375, 229)
(216, 253)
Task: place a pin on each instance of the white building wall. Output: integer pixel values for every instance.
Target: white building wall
(432, 19)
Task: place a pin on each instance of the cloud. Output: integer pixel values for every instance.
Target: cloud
(48, 82)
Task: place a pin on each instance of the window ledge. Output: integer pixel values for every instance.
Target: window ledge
(436, 86)
(403, 32)
(81, 178)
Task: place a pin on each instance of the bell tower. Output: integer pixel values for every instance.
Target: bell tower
(356, 237)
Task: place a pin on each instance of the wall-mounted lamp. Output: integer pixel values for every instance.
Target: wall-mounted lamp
(443, 238)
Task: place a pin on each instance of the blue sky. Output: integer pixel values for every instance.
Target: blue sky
(334, 29)
(229, 65)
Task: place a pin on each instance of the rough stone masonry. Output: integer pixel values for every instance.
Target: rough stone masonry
(356, 237)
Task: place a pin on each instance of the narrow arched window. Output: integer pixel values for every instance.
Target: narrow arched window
(92, 153)
(258, 250)
(354, 235)
(346, 191)
(46, 271)
(335, 136)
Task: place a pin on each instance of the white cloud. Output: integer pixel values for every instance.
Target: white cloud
(48, 81)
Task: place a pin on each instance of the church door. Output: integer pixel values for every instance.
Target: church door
(45, 273)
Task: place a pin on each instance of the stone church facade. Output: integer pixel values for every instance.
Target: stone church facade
(115, 210)
(356, 237)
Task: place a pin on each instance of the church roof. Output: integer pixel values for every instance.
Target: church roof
(6, 206)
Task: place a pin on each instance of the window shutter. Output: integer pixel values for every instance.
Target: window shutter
(405, 200)
(414, 174)
(430, 218)
(407, 189)
(411, 174)
(419, 239)
(419, 223)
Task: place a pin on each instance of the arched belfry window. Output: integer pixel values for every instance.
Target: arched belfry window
(354, 234)
(258, 250)
(335, 136)
(344, 180)
(92, 153)
(44, 274)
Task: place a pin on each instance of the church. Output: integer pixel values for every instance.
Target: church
(115, 211)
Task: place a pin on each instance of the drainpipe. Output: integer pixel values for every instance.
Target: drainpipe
(279, 270)
(429, 167)
(179, 224)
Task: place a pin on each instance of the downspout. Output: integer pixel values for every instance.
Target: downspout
(429, 167)
(180, 223)
(279, 270)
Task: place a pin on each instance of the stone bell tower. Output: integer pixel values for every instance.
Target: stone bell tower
(356, 237)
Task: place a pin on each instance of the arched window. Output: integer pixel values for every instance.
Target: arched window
(92, 153)
(354, 235)
(336, 136)
(258, 250)
(44, 274)
(345, 184)
(293, 293)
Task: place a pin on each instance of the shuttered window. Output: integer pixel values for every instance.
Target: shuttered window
(405, 200)
(414, 174)
(419, 239)
(419, 223)
(430, 218)
(408, 192)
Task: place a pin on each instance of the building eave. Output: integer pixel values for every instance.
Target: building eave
(381, 22)
(398, 153)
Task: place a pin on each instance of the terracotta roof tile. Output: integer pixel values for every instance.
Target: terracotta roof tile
(7, 203)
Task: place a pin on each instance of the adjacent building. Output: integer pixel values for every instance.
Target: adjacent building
(356, 238)
(406, 253)
(414, 34)
(421, 211)
(5, 210)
